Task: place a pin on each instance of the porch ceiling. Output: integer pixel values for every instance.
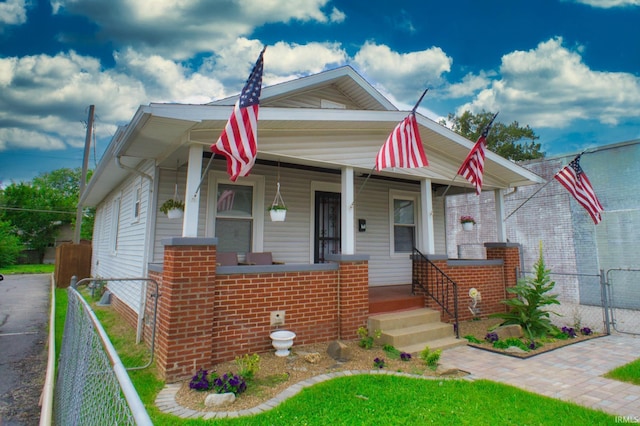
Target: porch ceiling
(329, 138)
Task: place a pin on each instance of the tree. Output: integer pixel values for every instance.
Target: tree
(507, 141)
(37, 209)
(10, 245)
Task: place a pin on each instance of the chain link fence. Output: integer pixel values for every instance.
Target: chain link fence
(93, 387)
(624, 299)
(603, 302)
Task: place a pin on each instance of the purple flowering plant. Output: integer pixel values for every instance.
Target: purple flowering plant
(491, 337)
(200, 381)
(569, 331)
(404, 356)
(586, 331)
(230, 383)
(378, 363)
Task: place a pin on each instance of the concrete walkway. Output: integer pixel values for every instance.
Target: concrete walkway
(573, 373)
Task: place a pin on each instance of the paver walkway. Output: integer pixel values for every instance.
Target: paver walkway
(572, 373)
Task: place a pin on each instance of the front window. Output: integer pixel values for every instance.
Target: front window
(404, 225)
(234, 217)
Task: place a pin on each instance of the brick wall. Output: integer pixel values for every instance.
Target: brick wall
(244, 302)
(487, 279)
(125, 311)
(205, 318)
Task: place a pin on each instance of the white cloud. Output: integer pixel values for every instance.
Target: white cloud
(403, 74)
(47, 95)
(607, 4)
(550, 86)
(178, 29)
(13, 12)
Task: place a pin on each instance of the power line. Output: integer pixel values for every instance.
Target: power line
(35, 210)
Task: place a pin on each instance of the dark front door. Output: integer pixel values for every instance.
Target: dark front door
(327, 225)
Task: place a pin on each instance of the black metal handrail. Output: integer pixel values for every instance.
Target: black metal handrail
(435, 284)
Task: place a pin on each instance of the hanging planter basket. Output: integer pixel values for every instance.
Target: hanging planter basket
(278, 215)
(175, 213)
(467, 226)
(278, 210)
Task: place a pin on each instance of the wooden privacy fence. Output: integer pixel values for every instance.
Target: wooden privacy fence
(72, 259)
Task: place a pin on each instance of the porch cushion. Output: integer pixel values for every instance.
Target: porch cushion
(227, 258)
(261, 258)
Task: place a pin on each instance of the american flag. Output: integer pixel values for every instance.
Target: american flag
(403, 147)
(575, 180)
(472, 168)
(238, 141)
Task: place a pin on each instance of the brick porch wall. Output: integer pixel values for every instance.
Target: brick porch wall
(244, 302)
(205, 318)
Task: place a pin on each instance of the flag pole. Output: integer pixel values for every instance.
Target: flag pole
(527, 200)
(204, 175)
(539, 189)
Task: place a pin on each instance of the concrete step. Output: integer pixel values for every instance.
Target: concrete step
(402, 319)
(416, 334)
(444, 343)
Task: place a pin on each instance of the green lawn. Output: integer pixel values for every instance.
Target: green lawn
(373, 399)
(627, 373)
(27, 269)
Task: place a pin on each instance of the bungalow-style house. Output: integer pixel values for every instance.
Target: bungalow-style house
(345, 238)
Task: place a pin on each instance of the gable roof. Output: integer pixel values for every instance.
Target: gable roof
(331, 119)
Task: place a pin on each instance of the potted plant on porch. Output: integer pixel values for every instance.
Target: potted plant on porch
(467, 222)
(278, 212)
(174, 209)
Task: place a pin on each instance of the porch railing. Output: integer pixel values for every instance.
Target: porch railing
(436, 285)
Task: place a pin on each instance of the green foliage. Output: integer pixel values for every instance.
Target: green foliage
(526, 308)
(248, 365)
(171, 204)
(38, 209)
(472, 339)
(10, 245)
(511, 341)
(507, 141)
(430, 358)
(41, 268)
(366, 341)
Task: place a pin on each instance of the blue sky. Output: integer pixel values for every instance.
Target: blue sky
(568, 68)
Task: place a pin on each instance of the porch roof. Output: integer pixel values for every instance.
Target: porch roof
(329, 138)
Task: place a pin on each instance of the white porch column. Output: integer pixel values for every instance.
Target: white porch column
(191, 198)
(348, 235)
(426, 240)
(500, 223)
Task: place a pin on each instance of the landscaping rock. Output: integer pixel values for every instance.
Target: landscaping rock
(339, 351)
(219, 399)
(312, 358)
(446, 370)
(507, 331)
(515, 350)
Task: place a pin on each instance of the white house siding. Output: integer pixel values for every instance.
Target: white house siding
(289, 241)
(313, 99)
(128, 259)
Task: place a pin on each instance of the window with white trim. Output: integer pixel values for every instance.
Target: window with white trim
(137, 203)
(403, 218)
(234, 217)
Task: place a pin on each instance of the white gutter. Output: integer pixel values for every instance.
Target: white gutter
(46, 399)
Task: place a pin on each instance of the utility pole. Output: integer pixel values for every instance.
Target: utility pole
(83, 178)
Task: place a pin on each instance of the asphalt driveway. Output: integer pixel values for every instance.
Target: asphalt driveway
(24, 315)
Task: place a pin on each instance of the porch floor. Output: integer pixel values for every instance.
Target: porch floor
(393, 298)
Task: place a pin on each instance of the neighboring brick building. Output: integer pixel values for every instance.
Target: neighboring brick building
(571, 243)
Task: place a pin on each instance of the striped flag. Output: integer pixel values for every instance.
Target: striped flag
(238, 141)
(575, 180)
(403, 147)
(472, 168)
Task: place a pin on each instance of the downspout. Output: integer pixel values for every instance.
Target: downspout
(131, 169)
